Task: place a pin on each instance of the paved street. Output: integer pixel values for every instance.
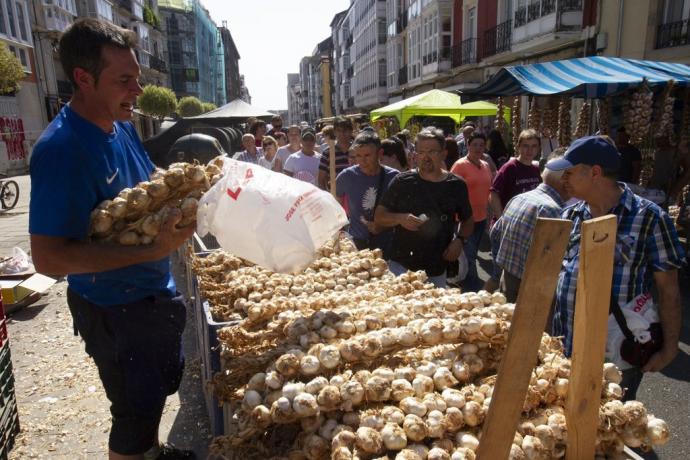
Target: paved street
(64, 412)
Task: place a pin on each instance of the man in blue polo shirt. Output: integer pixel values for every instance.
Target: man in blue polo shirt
(123, 299)
(647, 254)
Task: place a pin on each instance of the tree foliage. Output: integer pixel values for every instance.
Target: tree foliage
(11, 70)
(208, 106)
(157, 101)
(189, 106)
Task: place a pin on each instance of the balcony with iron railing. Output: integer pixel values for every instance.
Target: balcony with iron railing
(497, 39)
(464, 53)
(673, 34)
(541, 17)
(158, 64)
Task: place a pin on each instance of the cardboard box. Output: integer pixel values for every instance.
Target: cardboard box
(14, 291)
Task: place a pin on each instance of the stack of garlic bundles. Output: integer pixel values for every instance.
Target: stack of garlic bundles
(397, 369)
(237, 289)
(136, 214)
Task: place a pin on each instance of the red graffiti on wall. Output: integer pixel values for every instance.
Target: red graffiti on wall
(12, 132)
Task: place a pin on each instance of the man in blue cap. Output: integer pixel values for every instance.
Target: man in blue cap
(647, 253)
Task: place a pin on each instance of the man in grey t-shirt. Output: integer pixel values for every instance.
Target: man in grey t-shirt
(360, 188)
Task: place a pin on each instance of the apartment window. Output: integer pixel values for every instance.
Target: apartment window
(676, 10)
(471, 27)
(10, 18)
(137, 10)
(21, 21)
(22, 58)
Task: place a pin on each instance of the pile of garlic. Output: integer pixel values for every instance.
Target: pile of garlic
(638, 114)
(390, 368)
(136, 214)
(582, 127)
(564, 124)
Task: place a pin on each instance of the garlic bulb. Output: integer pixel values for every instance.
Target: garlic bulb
(394, 437)
(369, 440)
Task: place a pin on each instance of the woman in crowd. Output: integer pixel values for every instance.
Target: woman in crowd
(394, 154)
(453, 153)
(496, 148)
(281, 139)
(477, 175)
(270, 160)
(258, 129)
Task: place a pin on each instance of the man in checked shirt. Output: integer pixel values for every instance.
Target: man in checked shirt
(512, 232)
(648, 253)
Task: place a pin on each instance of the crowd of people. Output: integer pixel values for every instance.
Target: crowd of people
(435, 200)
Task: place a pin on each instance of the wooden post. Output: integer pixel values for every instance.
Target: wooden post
(531, 312)
(331, 159)
(589, 335)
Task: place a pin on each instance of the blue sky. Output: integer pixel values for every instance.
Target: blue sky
(272, 36)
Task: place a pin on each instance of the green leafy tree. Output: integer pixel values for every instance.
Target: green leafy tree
(11, 71)
(208, 106)
(157, 101)
(189, 106)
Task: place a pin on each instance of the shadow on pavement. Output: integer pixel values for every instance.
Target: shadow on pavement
(27, 313)
(678, 369)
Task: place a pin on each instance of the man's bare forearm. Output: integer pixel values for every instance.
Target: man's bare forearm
(71, 257)
(669, 308)
(384, 218)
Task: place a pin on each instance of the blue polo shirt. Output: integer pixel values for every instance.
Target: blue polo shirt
(74, 166)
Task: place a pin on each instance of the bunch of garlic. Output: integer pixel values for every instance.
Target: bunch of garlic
(603, 110)
(136, 214)
(549, 122)
(500, 121)
(564, 124)
(638, 114)
(666, 120)
(583, 120)
(684, 133)
(534, 116)
(516, 119)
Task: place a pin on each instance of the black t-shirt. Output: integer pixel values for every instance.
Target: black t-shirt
(629, 154)
(443, 203)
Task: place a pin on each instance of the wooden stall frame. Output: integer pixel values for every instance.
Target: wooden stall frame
(590, 329)
(529, 320)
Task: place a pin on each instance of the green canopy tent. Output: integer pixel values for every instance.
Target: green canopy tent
(436, 103)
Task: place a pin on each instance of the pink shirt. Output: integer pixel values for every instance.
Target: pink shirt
(478, 180)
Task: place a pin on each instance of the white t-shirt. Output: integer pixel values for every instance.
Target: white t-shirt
(304, 167)
(283, 153)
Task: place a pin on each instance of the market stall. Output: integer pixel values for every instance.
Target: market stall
(344, 360)
(436, 103)
(650, 99)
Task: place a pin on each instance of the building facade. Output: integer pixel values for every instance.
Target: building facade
(368, 53)
(233, 85)
(22, 114)
(343, 67)
(195, 53)
(294, 99)
(656, 30)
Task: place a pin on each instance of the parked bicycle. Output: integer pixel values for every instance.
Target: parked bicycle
(9, 193)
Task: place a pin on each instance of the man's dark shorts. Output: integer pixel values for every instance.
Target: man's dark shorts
(137, 348)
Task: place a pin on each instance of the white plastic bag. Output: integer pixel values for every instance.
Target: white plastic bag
(463, 266)
(18, 263)
(269, 218)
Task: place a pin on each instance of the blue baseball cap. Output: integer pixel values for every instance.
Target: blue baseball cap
(590, 150)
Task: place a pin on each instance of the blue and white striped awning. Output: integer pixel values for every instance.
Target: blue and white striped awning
(589, 77)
